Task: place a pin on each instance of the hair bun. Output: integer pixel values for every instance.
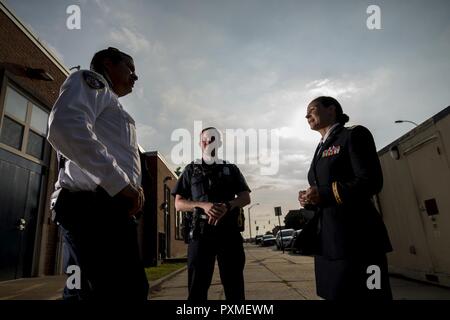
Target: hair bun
(343, 118)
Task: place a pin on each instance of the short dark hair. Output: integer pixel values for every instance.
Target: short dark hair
(327, 102)
(114, 54)
(209, 128)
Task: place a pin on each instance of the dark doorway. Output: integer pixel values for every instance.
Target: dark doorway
(162, 245)
(20, 185)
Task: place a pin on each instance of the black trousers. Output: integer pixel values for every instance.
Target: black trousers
(346, 279)
(202, 253)
(101, 239)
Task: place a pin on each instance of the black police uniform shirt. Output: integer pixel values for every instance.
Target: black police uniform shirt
(212, 183)
(347, 173)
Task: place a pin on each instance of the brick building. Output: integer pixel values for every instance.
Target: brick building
(30, 78)
(161, 228)
(30, 244)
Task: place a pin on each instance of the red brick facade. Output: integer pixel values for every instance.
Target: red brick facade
(20, 50)
(159, 234)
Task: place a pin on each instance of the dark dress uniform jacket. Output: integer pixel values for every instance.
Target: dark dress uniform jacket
(348, 174)
(351, 233)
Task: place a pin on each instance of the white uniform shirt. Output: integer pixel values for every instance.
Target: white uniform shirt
(327, 134)
(89, 127)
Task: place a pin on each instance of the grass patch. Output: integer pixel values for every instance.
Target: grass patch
(155, 273)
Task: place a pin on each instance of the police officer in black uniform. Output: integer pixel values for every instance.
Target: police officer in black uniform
(213, 192)
(344, 176)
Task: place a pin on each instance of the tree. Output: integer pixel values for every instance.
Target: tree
(178, 171)
(276, 229)
(294, 220)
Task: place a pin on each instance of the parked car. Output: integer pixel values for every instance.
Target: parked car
(268, 240)
(286, 235)
(294, 237)
(258, 239)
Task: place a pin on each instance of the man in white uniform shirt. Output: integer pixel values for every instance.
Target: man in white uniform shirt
(99, 180)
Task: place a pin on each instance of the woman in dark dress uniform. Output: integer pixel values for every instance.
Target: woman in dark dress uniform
(352, 241)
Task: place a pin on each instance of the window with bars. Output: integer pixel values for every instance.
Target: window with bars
(24, 124)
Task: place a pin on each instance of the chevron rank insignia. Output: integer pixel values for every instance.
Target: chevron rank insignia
(331, 151)
(93, 80)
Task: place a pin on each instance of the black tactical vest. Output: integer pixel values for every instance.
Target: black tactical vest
(216, 183)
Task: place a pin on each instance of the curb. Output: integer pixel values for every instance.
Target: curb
(157, 283)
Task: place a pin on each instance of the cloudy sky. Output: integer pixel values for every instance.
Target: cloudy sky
(256, 64)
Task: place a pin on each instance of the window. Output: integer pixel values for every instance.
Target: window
(12, 133)
(39, 119)
(15, 104)
(24, 125)
(35, 145)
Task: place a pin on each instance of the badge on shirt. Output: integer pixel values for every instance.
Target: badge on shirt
(226, 171)
(93, 80)
(331, 151)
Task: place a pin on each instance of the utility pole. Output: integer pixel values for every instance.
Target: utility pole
(278, 214)
(249, 224)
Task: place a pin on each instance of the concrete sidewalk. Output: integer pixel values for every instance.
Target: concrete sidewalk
(272, 275)
(39, 288)
(269, 275)
(49, 287)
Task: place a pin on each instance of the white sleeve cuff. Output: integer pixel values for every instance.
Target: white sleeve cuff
(115, 182)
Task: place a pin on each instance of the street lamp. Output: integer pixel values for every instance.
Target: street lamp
(249, 225)
(401, 121)
(168, 178)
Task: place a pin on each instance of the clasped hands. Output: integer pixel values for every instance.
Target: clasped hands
(135, 197)
(309, 197)
(214, 211)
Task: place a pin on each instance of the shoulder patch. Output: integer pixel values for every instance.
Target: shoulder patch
(93, 80)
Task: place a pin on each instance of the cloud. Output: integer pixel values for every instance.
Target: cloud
(134, 41)
(257, 64)
(263, 187)
(335, 88)
(104, 7)
(53, 49)
(145, 135)
(297, 158)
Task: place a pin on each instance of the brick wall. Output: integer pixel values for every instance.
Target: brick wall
(16, 48)
(177, 247)
(153, 222)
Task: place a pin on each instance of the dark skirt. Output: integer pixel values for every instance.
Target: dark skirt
(350, 279)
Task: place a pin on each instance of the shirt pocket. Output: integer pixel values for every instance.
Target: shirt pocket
(228, 182)
(130, 129)
(197, 187)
